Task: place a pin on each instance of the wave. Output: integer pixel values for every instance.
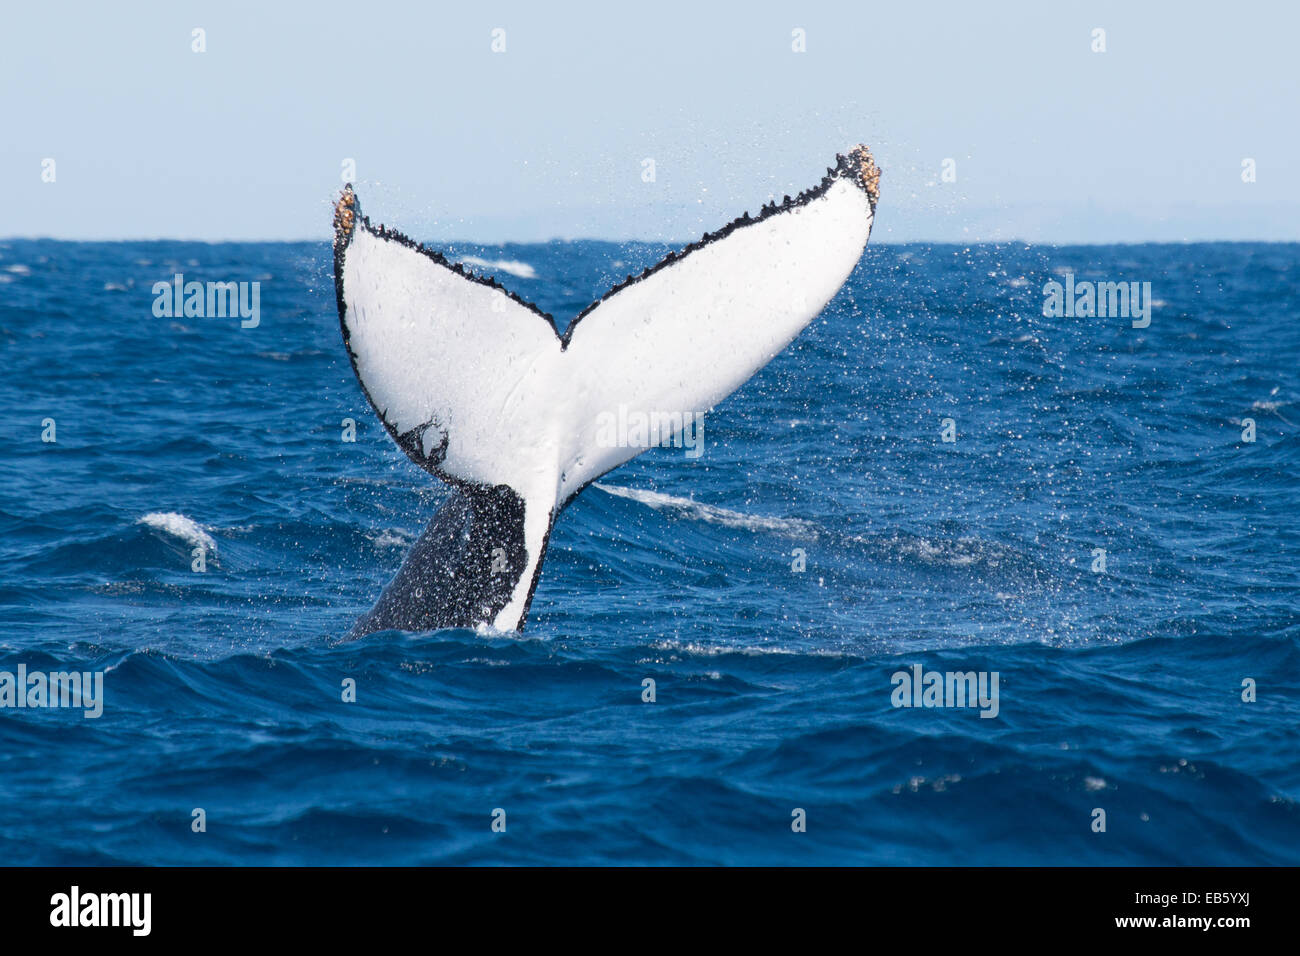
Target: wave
(961, 552)
(520, 270)
(712, 514)
(182, 527)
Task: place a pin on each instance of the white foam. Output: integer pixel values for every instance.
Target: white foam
(514, 267)
(179, 526)
(958, 553)
(712, 513)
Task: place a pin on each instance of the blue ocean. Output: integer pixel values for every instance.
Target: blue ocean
(936, 477)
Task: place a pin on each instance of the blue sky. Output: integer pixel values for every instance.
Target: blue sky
(1050, 140)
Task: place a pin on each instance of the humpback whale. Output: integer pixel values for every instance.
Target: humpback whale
(483, 390)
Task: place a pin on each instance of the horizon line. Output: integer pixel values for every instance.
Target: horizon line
(326, 240)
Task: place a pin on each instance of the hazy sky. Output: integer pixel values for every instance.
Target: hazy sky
(1050, 140)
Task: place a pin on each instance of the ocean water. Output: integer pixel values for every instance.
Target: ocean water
(827, 539)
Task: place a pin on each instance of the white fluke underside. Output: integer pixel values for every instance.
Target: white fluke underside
(503, 399)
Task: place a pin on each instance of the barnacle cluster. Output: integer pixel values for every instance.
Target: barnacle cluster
(344, 213)
(863, 167)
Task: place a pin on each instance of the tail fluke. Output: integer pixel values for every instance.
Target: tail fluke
(480, 388)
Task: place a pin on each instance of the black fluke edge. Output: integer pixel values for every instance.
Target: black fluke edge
(858, 166)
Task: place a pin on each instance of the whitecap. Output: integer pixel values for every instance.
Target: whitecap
(712, 514)
(514, 267)
(180, 526)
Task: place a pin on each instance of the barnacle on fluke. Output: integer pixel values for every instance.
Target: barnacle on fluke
(863, 167)
(344, 216)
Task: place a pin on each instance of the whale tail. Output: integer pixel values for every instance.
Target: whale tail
(481, 389)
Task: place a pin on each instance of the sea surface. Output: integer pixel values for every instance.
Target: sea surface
(1098, 532)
